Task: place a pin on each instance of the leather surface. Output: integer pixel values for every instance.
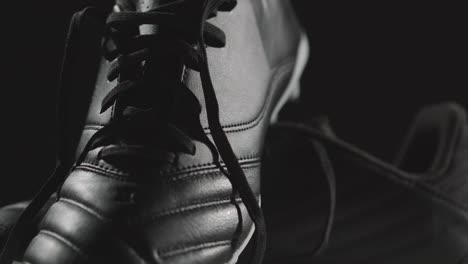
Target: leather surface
(185, 212)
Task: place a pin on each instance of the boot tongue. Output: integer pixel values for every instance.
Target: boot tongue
(432, 141)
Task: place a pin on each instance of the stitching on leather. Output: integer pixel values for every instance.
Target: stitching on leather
(186, 208)
(64, 240)
(104, 173)
(174, 177)
(96, 164)
(183, 250)
(84, 207)
(242, 161)
(180, 176)
(93, 166)
(209, 173)
(277, 74)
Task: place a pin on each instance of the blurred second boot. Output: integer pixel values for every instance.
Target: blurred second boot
(414, 210)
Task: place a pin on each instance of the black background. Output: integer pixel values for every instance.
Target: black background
(372, 66)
